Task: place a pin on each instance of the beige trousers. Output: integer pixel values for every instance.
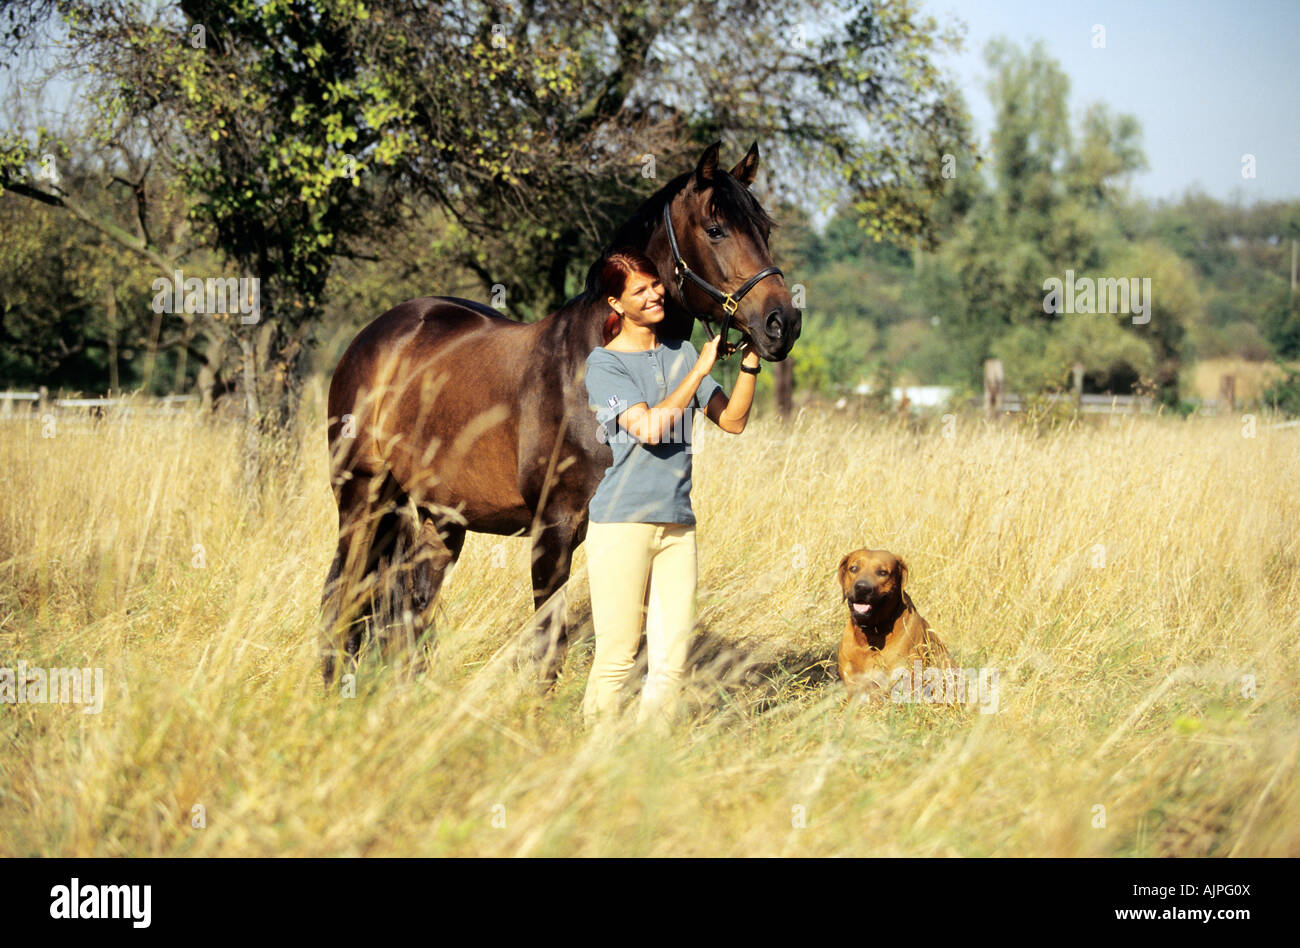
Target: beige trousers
(635, 570)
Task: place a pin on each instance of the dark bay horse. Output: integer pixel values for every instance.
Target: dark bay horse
(446, 416)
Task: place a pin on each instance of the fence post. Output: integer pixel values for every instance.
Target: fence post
(993, 387)
(1228, 392)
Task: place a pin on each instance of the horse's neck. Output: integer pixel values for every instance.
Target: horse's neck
(577, 325)
(678, 321)
(580, 322)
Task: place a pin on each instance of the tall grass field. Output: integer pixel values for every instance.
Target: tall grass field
(1130, 585)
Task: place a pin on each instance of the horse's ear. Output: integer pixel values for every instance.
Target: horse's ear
(707, 167)
(748, 167)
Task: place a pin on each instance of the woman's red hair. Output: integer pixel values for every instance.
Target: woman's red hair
(614, 271)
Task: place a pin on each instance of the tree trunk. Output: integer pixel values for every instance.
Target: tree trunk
(110, 300)
(783, 380)
(151, 354)
(270, 361)
(182, 357)
(558, 271)
(213, 358)
(253, 462)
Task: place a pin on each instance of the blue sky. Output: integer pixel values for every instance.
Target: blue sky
(1208, 80)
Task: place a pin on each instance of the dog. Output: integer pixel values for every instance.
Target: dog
(884, 632)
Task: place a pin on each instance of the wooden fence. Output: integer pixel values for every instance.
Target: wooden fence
(21, 406)
(1088, 404)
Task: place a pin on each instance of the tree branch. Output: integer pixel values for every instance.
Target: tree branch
(107, 228)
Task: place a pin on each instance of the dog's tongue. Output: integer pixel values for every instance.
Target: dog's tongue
(861, 608)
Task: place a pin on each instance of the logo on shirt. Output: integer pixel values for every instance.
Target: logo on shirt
(612, 401)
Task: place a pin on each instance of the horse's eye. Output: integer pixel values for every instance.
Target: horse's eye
(715, 232)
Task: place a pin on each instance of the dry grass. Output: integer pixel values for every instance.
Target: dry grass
(213, 695)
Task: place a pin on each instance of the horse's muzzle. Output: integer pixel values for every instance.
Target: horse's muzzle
(781, 327)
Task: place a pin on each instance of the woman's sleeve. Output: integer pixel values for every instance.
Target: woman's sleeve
(610, 391)
(705, 392)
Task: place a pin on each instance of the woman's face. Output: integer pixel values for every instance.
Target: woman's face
(642, 300)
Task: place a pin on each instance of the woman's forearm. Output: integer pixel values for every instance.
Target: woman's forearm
(650, 426)
(736, 414)
(732, 419)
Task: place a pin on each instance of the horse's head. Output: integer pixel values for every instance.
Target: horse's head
(721, 235)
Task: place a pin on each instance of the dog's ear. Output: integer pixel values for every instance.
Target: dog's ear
(844, 565)
(900, 572)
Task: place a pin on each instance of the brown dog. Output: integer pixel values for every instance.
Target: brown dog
(885, 631)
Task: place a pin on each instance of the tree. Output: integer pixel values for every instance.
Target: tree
(1049, 205)
(300, 130)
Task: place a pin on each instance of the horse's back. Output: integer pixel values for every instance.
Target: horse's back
(427, 319)
(415, 381)
(408, 333)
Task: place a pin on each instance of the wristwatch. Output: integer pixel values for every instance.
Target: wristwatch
(753, 371)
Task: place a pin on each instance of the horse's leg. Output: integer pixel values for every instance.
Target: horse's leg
(552, 558)
(424, 552)
(331, 616)
(346, 602)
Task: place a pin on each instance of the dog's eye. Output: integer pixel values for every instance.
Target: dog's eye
(853, 568)
(882, 572)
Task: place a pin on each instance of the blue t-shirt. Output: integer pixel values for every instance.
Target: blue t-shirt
(647, 483)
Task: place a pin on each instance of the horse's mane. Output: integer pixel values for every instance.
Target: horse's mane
(728, 199)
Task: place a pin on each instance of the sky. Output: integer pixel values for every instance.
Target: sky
(1209, 81)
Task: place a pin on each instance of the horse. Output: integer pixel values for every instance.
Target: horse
(446, 416)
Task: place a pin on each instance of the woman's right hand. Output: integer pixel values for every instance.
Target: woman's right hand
(708, 356)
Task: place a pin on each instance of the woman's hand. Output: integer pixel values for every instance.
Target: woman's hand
(748, 356)
(708, 356)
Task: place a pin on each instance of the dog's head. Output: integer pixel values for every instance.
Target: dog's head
(872, 582)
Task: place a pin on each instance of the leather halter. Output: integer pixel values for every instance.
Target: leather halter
(729, 302)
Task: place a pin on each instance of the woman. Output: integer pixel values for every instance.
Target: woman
(641, 529)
